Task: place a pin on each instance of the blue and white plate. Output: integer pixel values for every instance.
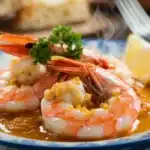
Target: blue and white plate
(135, 142)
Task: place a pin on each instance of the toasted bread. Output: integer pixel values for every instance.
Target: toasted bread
(47, 13)
(9, 7)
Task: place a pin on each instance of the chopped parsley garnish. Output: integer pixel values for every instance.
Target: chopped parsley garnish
(42, 51)
(64, 35)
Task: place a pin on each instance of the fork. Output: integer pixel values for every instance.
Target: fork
(135, 17)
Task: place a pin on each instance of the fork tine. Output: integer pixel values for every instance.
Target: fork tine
(141, 10)
(139, 19)
(134, 15)
(126, 14)
(143, 17)
(140, 16)
(134, 9)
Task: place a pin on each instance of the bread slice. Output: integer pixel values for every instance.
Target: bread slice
(9, 7)
(40, 14)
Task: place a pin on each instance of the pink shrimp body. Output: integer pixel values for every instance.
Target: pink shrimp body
(62, 116)
(22, 86)
(13, 98)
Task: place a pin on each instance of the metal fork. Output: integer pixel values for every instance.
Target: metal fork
(135, 17)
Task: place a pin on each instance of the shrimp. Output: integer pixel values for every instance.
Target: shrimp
(57, 102)
(13, 98)
(20, 44)
(24, 71)
(16, 44)
(22, 86)
(115, 116)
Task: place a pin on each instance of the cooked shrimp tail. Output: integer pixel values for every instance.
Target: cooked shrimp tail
(16, 39)
(15, 50)
(15, 44)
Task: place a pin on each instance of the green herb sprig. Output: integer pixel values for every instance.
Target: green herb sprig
(41, 50)
(64, 35)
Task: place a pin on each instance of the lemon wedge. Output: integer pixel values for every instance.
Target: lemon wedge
(137, 57)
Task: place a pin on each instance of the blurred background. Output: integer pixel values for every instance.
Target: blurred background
(92, 18)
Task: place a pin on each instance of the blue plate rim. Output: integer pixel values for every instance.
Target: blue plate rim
(129, 140)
